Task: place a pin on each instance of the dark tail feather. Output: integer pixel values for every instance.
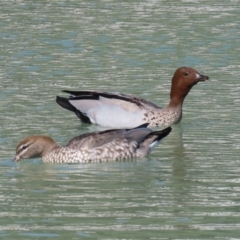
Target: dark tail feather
(161, 134)
(151, 140)
(63, 102)
(154, 137)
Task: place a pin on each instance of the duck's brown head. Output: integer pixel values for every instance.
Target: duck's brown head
(34, 147)
(183, 80)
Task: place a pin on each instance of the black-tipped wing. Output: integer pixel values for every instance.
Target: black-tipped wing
(112, 110)
(79, 95)
(64, 102)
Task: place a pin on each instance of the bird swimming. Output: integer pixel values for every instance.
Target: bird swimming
(117, 110)
(100, 146)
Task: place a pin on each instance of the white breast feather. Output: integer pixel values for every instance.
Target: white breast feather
(114, 116)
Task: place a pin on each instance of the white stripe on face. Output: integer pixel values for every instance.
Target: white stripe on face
(197, 75)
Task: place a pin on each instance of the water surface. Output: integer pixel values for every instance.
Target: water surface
(189, 187)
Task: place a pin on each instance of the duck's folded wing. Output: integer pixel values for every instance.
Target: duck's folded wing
(97, 139)
(106, 109)
(128, 102)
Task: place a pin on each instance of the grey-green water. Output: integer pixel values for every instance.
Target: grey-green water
(189, 187)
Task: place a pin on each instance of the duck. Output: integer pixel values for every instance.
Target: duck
(98, 146)
(113, 110)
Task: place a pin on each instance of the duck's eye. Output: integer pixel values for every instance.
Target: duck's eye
(186, 74)
(24, 147)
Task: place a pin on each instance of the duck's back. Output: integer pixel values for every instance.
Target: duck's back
(99, 139)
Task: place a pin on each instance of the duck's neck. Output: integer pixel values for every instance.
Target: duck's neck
(178, 95)
(175, 103)
(49, 146)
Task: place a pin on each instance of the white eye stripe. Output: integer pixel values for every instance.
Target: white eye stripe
(23, 148)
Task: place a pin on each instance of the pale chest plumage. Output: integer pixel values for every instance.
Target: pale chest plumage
(163, 117)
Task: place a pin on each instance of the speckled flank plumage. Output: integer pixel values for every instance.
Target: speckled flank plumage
(110, 145)
(113, 151)
(127, 111)
(164, 117)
